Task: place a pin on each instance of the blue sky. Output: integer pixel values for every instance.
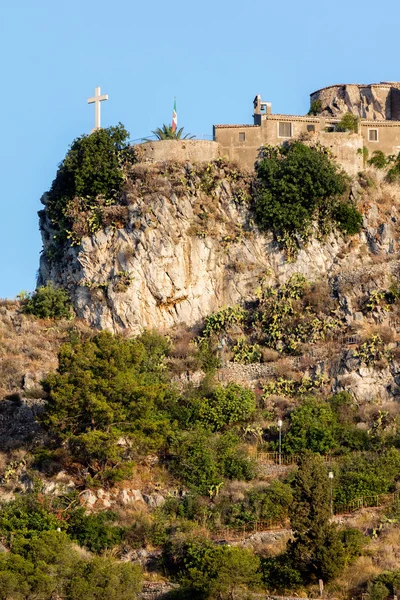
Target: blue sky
(214, 56)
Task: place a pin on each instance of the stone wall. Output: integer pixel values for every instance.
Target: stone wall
(377, 101)
(346, 148)
(179, 150)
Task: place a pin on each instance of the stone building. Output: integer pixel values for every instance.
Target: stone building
(376, 105)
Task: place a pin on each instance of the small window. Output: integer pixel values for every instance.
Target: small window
(284, 130)
(311, 128)
(242, 136)
(372, 135)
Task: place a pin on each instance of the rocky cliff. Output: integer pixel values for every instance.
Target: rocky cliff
(375, 101)
(189, 246)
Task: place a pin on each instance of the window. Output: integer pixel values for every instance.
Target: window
(284, 130)
(311, 128)
(372, 135)
(242, 136)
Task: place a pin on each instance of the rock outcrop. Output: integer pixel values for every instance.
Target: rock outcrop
(374, 101)
(184, 254)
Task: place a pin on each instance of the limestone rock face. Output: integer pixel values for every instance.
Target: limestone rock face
(180, 258)
(375, 101)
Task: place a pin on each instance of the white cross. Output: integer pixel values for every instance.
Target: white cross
(97, 98)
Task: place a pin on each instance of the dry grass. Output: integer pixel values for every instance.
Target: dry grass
(30, 346)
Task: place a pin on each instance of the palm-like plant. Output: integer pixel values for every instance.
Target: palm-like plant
(167, 133)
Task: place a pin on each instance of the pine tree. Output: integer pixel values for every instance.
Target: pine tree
(316, 550)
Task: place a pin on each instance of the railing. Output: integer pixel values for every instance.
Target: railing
(283, 459)
(232, 533)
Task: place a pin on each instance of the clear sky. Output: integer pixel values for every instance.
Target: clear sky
(213, 55)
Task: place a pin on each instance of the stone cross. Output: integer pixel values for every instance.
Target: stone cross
(97, 98)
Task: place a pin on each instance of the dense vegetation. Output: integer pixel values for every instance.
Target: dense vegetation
(113, 416)
(88, 183)
(299, 184)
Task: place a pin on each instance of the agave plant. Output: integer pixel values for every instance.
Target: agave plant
(167, 133)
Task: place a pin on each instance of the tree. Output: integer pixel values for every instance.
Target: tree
(109, 389)
(90, 177)
(228, 405)
(47, 302)
(316, 549)
(297, 184)
(167, 133)
(209, 571)
(313, 426)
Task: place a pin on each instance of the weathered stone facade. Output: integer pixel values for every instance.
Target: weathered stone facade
(178, 150)
(377, 106)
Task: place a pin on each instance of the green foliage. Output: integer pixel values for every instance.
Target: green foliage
(316, 550)
(353, 543)
(25, 518)
(393, 173)
(297, 184)
(384, 584)
(47, 302)
(204, 460)
(347, 217)
(227, 405)
(366, 475)
(287, 320)
(291, 388)
(313, 427)
(210, 571)
(94, 531)
(107, 389)
(315, 108)
(378, 160)
(246, 353)
(262, 503)
(167, 133)
(371, 351)
(348, 122)
(279, 573)
(48, 566)
(220, 321)
(89, 178)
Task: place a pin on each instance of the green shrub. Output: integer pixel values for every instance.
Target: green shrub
(347, 217)
(348, 122)
(203, 460)
(89, 179)
(94, 531)
(210, 571)
(378, 160)
(48, 566)
(315, 108)
(367, 475)
(279, 573)
(246, 353)
(228, 405)
(312, 427)
(26, 518)
(297, 183)
(47, 302)
(263, 503)
(107, 389)
(393, 173)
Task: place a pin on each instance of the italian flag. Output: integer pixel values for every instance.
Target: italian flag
(174, 118)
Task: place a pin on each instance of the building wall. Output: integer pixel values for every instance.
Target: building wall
(179, 150)
(346, 147)
(388, 136)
